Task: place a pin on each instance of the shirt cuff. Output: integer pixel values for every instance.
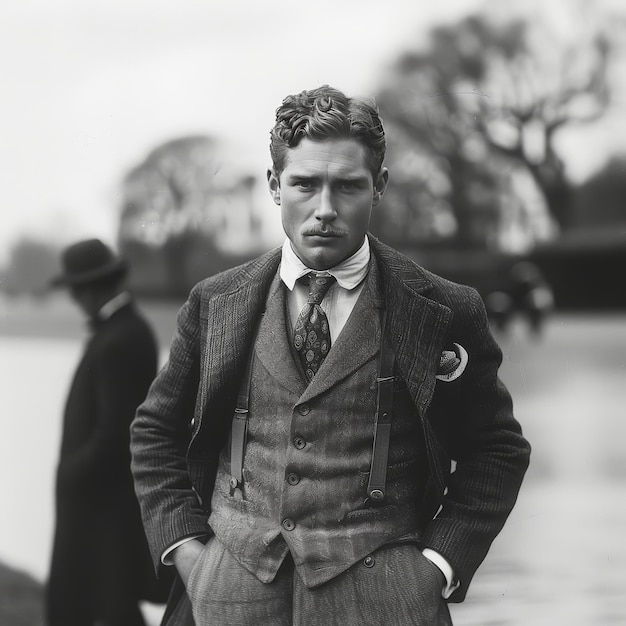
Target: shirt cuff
(446, 569)
(166, 558)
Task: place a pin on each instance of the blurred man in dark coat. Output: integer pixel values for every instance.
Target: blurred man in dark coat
(100, 564)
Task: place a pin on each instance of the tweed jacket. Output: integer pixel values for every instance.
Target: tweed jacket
(180, 429)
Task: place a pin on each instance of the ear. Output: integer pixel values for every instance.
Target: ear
(380, 185)
(274, 185)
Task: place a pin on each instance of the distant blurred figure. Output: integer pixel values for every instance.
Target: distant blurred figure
(526, 292)
(499, 305)
(531, 294)
(100, 565)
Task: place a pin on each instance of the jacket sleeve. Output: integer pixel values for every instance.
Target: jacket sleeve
(160, 435)
(485, 441)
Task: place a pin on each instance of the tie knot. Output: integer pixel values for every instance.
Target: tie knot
(319, 284)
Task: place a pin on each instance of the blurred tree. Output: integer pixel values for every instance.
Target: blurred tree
(163, 199)
(32, 263)
(476, 113)
(179, 199)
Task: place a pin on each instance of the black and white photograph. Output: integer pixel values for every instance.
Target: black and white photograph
(313, 313)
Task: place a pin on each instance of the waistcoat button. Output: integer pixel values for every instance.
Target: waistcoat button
(369, 561)
(304, 409)
(293, 478)
(288, 524)
(299, 442)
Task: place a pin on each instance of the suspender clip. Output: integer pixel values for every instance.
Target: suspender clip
(377, 495)
(234, 484)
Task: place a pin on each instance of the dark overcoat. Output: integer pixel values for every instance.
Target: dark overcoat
(100, 560)
(181, 427)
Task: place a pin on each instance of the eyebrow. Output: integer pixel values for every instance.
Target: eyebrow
(343, 178)
(298, 177)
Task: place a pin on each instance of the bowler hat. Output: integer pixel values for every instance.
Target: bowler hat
(88, 261)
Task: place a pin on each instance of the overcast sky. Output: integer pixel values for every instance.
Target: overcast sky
(89, 88)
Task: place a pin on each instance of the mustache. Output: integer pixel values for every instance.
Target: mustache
(325, 230)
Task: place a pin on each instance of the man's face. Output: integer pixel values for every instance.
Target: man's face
(326, 193)
(84, 298)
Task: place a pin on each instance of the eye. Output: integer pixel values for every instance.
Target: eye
(303, 184)
(350, 185)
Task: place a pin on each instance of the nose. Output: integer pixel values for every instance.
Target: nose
(325, 210)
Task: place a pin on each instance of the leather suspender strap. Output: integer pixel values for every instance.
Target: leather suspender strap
(384, 412)
(239, 429)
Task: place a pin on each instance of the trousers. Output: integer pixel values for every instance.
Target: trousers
(394, 586)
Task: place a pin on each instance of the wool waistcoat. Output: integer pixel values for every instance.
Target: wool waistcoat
(309, 450)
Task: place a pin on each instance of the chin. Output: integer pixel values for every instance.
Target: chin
(320, 262)
(323, 255)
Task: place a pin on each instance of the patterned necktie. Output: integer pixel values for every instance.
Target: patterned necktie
(311, 334)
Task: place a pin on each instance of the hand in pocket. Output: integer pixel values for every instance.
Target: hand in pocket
(185, 557)
(433, 576)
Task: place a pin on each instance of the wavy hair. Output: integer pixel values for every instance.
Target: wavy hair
(327, 113)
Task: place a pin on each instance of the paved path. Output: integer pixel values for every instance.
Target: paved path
(561, 559)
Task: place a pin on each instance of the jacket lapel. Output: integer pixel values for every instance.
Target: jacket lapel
(272, 346)
(417, 325)
(231, 321)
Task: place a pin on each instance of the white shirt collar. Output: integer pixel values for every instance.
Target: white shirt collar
(349, 273)
(113, 305)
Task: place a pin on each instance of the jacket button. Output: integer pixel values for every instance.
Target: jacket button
(304, 409)
(369, 561)
(288, 524)
(299, 442)
(293, 478)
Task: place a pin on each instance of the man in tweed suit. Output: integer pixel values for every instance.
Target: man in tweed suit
(307, 485)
